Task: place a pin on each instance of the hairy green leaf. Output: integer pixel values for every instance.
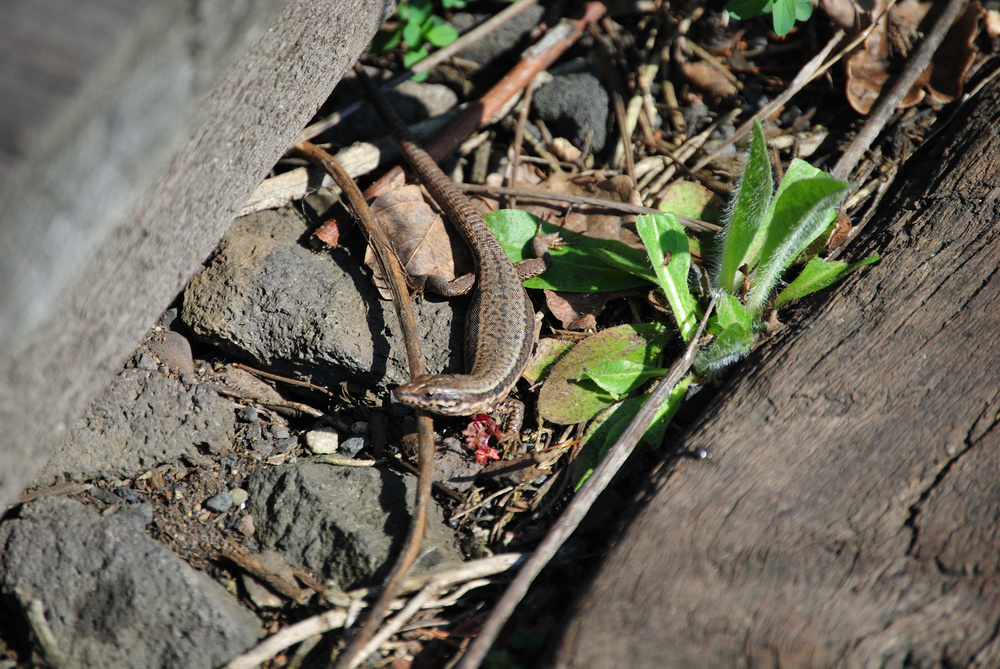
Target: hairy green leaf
(622, 376)
(568, 397)
(729, 310)
(730, 346)
(670, 254)
(749, 207)
(801, 213)
(817, 275)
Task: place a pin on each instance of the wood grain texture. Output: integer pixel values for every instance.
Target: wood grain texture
(849, 516)
(136, 144)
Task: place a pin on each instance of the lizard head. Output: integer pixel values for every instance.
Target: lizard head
(439, 394)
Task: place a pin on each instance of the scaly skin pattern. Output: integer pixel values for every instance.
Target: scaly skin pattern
(500, 325)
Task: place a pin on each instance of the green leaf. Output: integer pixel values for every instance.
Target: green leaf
(576, 267)
(622, 376)
(441, 35)
(730, 311)
(797, 171)
(670, 254)
(734, 343)
(803, 10)
(610, 424)
(386, 40)
(404, 11)
(627, 259)
(691, 199)
(453, 4)
(411, 58)
(567, 396)
(817, 275)
(413, 33)
(801, 213)
(745, 9)
(749, 208)
(783, 16)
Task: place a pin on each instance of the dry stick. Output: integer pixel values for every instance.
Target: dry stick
(417, 602)
(611, 205)
(608, 64)
(393, 272)
(439, 56)
(889, 99)
(581, 504)
(335, 618)
(515, 147)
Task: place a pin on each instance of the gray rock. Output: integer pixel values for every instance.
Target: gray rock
(502, 40)
(268, 298)
(146, 363)
(351, 447)
(143, 419)
(247, 414)
(219, 503)
(173, 350)
(573, 105)
(346, 523)
(112, 596)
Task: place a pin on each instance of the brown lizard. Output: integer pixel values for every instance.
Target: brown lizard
(500, 324)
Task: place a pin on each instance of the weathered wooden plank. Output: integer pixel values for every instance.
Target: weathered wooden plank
(142, 127)
(849, 515)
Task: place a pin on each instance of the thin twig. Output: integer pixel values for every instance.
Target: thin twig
(610, 205)
(890, 97)
(469, 572)
(416, 603)
(580, 504)
(393, 272)
(515, 146)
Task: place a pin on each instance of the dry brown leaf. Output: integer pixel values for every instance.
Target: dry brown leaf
(577, 311)
(586, 219)
(420, 237)
(843, 13)
(888, 45)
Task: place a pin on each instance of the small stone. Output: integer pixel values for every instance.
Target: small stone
(322, 441)
(130, 496)
(351, 447)
(167, 318)
(247, 414)
(360, 428)
(260, 595)
(285, 445)
(254, 432)
(260, 449)
(245, 526)
(147, 363)
(239, 496)
(219, 503)
(104, 496)
(280, 432)
(174, 351)
(139, 515)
